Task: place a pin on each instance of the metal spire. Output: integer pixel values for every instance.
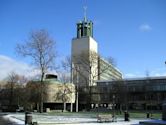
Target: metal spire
(85, 18)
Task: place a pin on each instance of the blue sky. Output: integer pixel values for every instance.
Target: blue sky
(131, 31)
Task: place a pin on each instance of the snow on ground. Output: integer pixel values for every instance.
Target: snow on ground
(157, 122)
(46, 119)
(13, 120)
(76, 120)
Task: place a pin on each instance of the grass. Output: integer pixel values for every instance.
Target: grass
(133, 114)
(143, 115)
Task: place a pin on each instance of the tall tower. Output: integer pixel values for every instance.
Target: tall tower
(84, 28)
(83, 43)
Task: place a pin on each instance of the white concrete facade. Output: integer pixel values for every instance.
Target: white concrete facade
(84, 45)
(86, 64)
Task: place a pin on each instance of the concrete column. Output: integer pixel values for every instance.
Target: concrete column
(38, 107)
(77, 102)
(71, 107)
(64, 106)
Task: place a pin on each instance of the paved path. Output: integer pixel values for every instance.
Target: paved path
(44, 119)
(5, 121)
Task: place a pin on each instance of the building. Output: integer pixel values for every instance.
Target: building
(56, 95)
(87, 65)
(138, 93)
(110, 73)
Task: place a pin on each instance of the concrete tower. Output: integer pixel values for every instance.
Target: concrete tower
(83, 43)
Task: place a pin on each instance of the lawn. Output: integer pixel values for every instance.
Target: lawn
(133, 114)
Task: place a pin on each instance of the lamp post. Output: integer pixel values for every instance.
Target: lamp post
(113, 105)
(64, 100)
(77, 91)
(74, 70)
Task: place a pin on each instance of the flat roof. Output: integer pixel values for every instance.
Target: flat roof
(135, 79)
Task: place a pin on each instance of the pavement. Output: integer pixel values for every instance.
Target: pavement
(45, 119)
(5, 119)
(18, 119)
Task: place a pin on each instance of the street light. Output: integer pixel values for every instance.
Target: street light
(64, 100)
(77, 92)
(113, 105)
(76, 68)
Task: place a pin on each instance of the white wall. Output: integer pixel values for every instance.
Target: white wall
(81, 45)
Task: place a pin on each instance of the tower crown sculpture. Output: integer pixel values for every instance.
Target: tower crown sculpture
(85, 27)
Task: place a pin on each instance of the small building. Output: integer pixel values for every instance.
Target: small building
(56, 95)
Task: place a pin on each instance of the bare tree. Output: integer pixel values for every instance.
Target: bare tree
(65, 71)
(13, 91)
(112, 61)
(89, 66)
(19, 90)
(67, 74)
(40, 47)
(64, 94)
(33, 95)
(65, 78)
(12, 80)
(86, 65)
(119, 90)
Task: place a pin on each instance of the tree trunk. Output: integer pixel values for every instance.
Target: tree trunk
(41, 94)
(64, 106)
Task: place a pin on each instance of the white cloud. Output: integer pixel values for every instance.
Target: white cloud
(133, 75)
(152, 73)
(145, 28)
(159, 72)
(129, 75)
(8, 65)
